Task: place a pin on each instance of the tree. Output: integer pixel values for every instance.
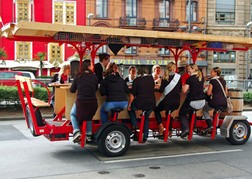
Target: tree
(3, 55)
(41, 57)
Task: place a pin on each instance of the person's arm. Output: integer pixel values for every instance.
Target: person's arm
(103, 89)
(131, 98)
(185, 88)
(74, 86)
(226, 90)
(210, 89)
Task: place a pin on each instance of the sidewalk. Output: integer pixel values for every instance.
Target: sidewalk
(11, 114)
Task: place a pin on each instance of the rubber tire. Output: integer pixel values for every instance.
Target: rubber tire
(239, 140)
(30, 122)
(119, 132)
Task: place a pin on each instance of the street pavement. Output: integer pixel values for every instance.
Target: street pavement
(25, 156)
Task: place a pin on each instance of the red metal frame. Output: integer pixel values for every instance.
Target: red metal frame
(48, 130)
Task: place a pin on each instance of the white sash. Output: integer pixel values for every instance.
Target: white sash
(169, 87)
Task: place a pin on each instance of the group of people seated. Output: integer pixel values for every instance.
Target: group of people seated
(140, 87)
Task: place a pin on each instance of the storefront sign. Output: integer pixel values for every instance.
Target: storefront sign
(140, 62)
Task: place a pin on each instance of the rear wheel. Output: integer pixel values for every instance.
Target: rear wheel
(114, 141)
(239, 132)
(30, 122)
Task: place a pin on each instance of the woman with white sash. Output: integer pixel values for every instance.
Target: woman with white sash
(170, 98)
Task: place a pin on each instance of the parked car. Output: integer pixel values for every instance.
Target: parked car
(7, 78)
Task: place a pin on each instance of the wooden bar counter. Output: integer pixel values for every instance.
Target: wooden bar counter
(63, 97)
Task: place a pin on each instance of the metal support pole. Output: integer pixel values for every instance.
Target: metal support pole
(189, 26)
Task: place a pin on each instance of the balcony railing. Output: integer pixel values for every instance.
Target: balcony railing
(165, 24)
(128, 22)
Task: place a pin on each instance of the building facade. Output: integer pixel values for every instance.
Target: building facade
(218, 17)
(229, 17)
(24, 55)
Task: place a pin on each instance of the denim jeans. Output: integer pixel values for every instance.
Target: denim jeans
(75, 123)
(107, 106)
(132, 115)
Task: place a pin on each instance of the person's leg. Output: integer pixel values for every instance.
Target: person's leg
(89, 128)
(132, 115)
(73, 118)
(207, 116)
(146, 123)
(158, 117)
(103, 113)
(75, 124)
(184, 110)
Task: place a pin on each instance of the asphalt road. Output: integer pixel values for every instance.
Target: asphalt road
(25, 156)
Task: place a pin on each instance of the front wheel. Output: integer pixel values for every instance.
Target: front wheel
(114, 141)
(239, 132)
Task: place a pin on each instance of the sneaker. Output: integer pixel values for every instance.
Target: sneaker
(208, 129)
(89, 138)
(144, 140)
(184, 134)
(76, 137)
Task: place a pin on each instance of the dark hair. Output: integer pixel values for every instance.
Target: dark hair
(217, 70)
(85, 65)
(142, 69)
(131, 67)
(110, 69)
(103, 56)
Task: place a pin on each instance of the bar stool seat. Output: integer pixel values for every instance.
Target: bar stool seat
(114, 113)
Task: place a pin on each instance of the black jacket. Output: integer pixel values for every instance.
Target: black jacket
(114, 88)
(87, 84)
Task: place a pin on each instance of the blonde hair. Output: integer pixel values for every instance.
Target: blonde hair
(63, 69)
(170, 67)
(154, 68)
(197, 71)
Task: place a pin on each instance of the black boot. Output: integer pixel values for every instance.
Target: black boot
(209, 125)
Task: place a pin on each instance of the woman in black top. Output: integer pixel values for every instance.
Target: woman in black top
(86, 103)
(194, 87)
(217, 97)
(115, 90)
(142, 98)
(170, 99)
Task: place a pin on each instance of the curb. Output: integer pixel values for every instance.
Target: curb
(10, 118)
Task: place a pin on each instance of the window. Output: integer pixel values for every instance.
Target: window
(55, 53)
(131, 50)
(164, 13)
(163, 51)
(227, 71)
(224, 57)
(194, 11)
(131, 12)
(64, 12)
(23, 10)
(23, 51)
(102, 49)
(225, 11)
(101, 8)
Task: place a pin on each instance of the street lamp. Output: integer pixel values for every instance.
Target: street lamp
(90, 16)
(248, 28)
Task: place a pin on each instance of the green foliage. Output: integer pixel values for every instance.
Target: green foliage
(247, 96)
(9, 94)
